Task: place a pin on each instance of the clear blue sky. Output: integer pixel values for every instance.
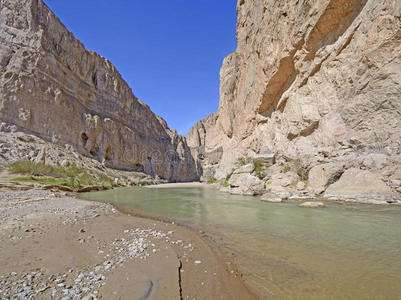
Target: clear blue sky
(169, 52)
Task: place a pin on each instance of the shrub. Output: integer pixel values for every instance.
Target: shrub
(211, 180)
(71, 176)
(26, 139)
(225, 183)
(242, 161)
(23, 167)
(258, 168)
(286, 168)
(297, 166)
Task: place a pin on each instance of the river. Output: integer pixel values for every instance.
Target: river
(283, 250)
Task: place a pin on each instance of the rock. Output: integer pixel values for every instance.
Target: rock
(312, 204)
(359, 185)
(375, 161)
(246, 184)
(89, 297)
(245, 169)
(395, 183)
(282, 180)
(266, 159)
(333, 90)
(321, 176)
(65, 163)
(301, 186)
(41, 157)
(58, 187)
(271, 198)
(91, 188)
(42, 65)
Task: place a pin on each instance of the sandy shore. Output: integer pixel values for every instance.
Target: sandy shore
(180, 185)
(54, 246)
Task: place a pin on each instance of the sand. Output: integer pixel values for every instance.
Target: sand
(55, 246)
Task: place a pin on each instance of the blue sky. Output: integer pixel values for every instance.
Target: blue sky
(169, 52)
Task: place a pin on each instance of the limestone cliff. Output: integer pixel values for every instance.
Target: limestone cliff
(318, 81)
(51, 86)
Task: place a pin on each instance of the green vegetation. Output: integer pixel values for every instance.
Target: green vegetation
(286, 168)
(211, 180)
(71, 176)
(296, 166)
(225, 181)
(27, 139)
(242, 161)
(258, 168)
(294, 183)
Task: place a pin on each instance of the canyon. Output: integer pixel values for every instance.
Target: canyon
(309, 100)
(55, 89)
(313, 89)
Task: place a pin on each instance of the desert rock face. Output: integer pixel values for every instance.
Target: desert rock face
(51, 86)
(316, 81)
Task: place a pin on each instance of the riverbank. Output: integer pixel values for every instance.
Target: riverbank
(181, 185)
(55, 246)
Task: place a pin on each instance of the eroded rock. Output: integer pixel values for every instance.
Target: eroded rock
(87, 103)
(312, 204)
(327, 90)
(359, 185)
(321, 176)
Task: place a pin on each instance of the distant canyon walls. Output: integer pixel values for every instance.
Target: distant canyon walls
(51, 86)
(316, 80)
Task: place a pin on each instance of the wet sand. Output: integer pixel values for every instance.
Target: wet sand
(53, 246)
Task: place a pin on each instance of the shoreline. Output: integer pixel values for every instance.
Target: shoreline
(180, 185)
(82, 248)
(294, 198)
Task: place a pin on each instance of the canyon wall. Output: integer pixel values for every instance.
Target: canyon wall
(316, 81)
(52, 87)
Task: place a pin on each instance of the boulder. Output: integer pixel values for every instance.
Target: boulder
(323, 175)
(245, 169)
(359, 185)
(312, 204)
(271, 198)
(283, 179)
(375, 161)
(246, 184)
(266, 159)
(301, 186)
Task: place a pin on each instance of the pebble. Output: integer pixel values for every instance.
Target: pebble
(86, 282)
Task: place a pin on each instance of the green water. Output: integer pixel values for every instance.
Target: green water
(284, 251)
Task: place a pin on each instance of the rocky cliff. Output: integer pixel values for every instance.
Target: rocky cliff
(52, 87)
(311, 83)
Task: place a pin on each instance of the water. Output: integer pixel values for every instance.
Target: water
(284, 251)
